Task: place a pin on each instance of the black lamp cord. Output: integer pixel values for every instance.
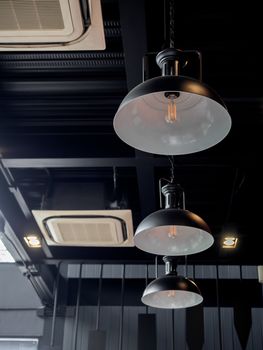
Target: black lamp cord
(99, 298)
(76, 320)
(218, 309)
(48, 190)
(171, 159)
(185, 266)
(114, 179)
(55, 304)
(156, 266)
(171, 23)
(172, 179)
(146, 284)
(169, 30)
(120, 347)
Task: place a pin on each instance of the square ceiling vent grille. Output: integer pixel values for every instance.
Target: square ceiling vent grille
(100, 228)
(51, 24)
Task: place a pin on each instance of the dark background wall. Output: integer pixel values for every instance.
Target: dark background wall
(230, 318)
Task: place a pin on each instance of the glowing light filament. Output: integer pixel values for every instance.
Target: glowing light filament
(171, 293)
(172, 232)
(171, 115)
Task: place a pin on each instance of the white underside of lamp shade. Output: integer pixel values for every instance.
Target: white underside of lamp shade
(173, 240)
(172, 299)
(200, 123)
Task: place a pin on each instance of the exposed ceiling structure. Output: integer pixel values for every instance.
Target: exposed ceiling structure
(59, 150)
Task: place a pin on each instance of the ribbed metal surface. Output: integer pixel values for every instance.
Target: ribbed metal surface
(217, 320)
(110, 322)
(138, 271)
(112, 29)
(84, 64)
(58, 61)
(60, 56)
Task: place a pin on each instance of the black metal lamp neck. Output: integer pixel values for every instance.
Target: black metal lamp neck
(170, 265)
(169, 61)
(173, 194)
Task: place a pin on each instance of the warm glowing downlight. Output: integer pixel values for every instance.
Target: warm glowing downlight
(33, 241)
(229, 242)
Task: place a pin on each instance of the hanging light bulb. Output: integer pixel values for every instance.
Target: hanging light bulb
(171, 293)
(171, 115)
(172, 232)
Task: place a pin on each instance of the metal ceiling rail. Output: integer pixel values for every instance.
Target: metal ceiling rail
(40, 163)
(61, 87)
(77, 162)
(50, 56)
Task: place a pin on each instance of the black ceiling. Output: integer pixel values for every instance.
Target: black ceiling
(56, 125)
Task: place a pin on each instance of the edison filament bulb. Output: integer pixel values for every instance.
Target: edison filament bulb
(171, 294)
(171, 115)
(172, 232)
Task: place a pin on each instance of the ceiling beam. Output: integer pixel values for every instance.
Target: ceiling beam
(101, 162)
(60, 87)
(133, 28)
(146, 183)
(81, 162)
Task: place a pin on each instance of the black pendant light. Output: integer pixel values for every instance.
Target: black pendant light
(173, 230)
(172, 114)
(171, 291)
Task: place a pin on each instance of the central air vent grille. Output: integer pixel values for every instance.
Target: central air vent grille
(89, 229)
(51, 24)
(40, 21)
(30, 15)
(102, 228)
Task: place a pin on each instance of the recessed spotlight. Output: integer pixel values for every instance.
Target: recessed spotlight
(33, 241)
(229, 242)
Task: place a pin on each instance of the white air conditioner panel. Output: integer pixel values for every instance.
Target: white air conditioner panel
(80, 231)
(40, 21)
(53, 25)
(100, 228)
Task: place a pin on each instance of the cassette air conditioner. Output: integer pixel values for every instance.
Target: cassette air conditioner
(90, 228)
(53, 25)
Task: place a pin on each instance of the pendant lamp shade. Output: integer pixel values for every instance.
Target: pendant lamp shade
(171, 291)
(172, 115)
(173, 232)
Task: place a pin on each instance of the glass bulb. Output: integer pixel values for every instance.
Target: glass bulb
(171, 293)
(171, 109)
(172, 232)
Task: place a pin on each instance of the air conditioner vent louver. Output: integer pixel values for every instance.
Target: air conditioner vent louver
(102, 228)
(82, 230)
(56, 25)
(30, 15)
(76, 231)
